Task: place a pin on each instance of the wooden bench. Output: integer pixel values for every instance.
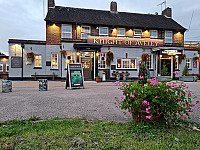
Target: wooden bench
(37, 75)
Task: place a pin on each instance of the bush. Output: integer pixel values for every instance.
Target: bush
(185, 71)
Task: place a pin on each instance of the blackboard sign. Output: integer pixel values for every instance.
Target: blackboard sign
(16, 62)
(75, 75)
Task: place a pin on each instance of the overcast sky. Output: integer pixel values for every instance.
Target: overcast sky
(24, 19)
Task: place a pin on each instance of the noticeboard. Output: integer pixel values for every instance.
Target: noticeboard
(16, 62)
(75, 75)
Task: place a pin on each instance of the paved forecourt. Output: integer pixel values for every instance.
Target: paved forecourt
(92, 102)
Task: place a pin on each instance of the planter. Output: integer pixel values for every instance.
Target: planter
(163, 78)
(142, 118)
(98, 79)
(188, 78)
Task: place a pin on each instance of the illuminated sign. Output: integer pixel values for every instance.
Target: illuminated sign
(125, 42)
(171, 52)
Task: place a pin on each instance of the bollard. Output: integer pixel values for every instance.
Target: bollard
(6, 86)
(43, 84)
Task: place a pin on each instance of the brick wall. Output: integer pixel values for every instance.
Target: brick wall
(53, 34)
(178, 38)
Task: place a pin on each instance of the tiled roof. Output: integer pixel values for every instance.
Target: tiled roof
(100, 17)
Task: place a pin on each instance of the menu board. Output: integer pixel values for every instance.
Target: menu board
(75, 75)
(16, 62)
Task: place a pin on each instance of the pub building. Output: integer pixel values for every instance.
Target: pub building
(77, 35)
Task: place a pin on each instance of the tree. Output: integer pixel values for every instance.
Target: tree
(2, 54)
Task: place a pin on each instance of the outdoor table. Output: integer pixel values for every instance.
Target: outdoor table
(120, 74)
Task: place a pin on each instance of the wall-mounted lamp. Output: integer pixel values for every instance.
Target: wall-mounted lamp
(97, 54)
(97, 28)
(54, 25)
(78, 53)
(160, 56)
(176, 56)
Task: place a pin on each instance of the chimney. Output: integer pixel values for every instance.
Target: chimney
(113, 6)
(51, 4)
(167, 12)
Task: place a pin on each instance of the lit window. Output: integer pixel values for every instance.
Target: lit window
(85, 32)
(102, 61)
(188, 63)
(149, 62)
(153, 34)
(137, 33)
(103, 31)
(54, 61)
(176, 63)
(121, 31)
(168, 36)
(38, 61)
(66, 31)
(7, 66)
(70, 57)
(126, 63)
(1, 66)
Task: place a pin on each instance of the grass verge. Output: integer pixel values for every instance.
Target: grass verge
(58, 133)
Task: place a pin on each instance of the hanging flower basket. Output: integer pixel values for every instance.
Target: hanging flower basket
(145, 57)
(30, 58)
(109, 57)
(181, 57)
(64, 53)
(196, 58)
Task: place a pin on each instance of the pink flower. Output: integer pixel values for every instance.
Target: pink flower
(141, 77)
(183, 117)
(133, 91)
(189, 94)
(167, 90)
(142, 86)
(175, 85)
(116, 97)
(194, 105)
(174, 123)
(132, 95)
(188, 114)
(190, 91)
(117, 82)
(171, 90)
(112, 102)
(148, 117)
(121, 88)
(176, 73)
(148, 80)
(147, 110)
(166, 123)
(122, 97)
(145, 102)
(188, 102)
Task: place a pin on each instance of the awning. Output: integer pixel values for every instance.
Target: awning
(88, 47)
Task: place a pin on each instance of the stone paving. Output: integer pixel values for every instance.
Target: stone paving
(92, 102)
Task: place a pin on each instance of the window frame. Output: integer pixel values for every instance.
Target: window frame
(137, 35)
(1, 64)
(169, 38)
(7, 65)
(66, 32)
(52, 61)
(123, 60)
(87, 33)
(38, 59)
(150, 62)
(104, 34)
(176, 63)
(153, 37)
(99, 60)
(72, 60)
(121, 35)
(189, 62)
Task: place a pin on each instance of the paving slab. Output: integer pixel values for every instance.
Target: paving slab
(92, 102)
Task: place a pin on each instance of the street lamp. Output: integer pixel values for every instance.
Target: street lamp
(22, 45)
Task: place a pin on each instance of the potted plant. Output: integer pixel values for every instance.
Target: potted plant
(164, 74)
(185, 76)
(98, 79)
(30, 58)
(156, 101)
(196, 58)
(145, 57)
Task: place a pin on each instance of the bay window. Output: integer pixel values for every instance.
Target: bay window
(126, 63)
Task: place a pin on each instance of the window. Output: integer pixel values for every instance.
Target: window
(103, 31)
(153, 34)
(7, 66)
(70, 57)
(188, 63)
(121, 31)
(126, 63)
(54, 61)
(85, 32)
(66, 31)
(1, 66)
(38, 61)
(102, 61)
(176, 63)
(149, 62)
(137, 33)
(168, 36)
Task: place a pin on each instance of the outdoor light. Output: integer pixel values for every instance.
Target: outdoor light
(176, 56)
(160, 56)
(97, 54)
(54, 25)
(78, 53)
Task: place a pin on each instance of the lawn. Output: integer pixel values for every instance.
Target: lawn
(58, 133)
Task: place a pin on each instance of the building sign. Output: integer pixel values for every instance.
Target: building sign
(75, 75)
(194, 64)
(16, 62)
(125, 42)
(171, 52)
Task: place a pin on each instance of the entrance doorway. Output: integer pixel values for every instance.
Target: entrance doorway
(168, 64)
(87, 60)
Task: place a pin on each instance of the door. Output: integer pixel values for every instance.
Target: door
(166, 66)
(87, 67)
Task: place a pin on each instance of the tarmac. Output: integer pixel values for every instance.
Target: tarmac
(95, 101)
